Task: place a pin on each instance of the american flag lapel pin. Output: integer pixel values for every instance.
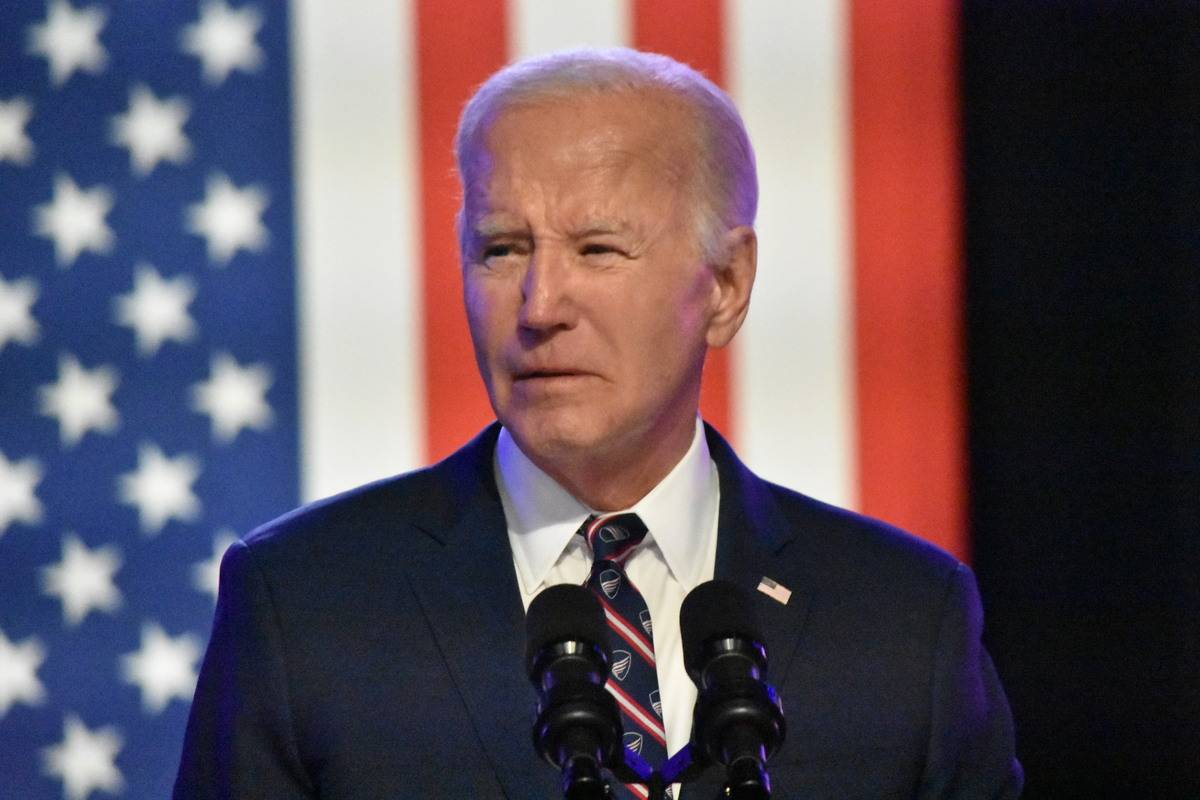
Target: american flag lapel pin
(776, 591)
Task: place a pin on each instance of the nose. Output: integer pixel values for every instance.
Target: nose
(546, 304)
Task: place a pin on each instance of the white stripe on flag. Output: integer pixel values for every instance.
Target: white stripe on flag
(359, 320)
(792, 380)
(540, 26)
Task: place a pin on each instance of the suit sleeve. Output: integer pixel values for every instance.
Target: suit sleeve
(240, 741)
(971, 745)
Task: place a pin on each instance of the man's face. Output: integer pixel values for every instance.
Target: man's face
(588, 301)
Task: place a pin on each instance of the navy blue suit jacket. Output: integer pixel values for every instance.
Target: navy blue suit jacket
(370, 646)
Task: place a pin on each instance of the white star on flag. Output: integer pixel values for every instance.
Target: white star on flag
(206, 575)
(85, 760)
(223, 40)
(152, 129)
(15, 146)
(69, 40)
(18, 673)
(18, 501)
(80, 399)
(16, 320)
(161, 488)
(147, 206)
(74, 219)
(229, 218)
(156, 309)
(83, 580)
(233, 397)
(164, 667)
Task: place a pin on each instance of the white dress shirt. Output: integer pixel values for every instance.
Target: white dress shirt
(678, 553)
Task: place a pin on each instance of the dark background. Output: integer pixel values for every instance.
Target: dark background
(1081, 137)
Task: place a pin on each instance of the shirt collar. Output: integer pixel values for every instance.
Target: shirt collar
(542, 516)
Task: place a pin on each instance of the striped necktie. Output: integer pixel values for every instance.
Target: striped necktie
(634, 680)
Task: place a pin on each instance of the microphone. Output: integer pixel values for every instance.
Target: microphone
(578, 727)
(738, 719)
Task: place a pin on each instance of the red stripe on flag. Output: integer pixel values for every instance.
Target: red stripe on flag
(459, 43)
(908, 267)
(692, 31)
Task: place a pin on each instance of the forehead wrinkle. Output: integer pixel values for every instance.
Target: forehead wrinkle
(662, 158)
(669, 136)
(496, 224)
(600, 226)
(581, 189)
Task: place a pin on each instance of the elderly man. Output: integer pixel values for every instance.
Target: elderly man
(369, 646)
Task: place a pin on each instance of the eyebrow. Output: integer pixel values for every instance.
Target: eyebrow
(487, 229)
(601, 227)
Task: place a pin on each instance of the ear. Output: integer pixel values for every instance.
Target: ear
(732, 283)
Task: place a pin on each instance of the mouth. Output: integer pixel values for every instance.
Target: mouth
(555, 378)
(547, 374)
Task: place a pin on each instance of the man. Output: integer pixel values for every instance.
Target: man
(369, 646)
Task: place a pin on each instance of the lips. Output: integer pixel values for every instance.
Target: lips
(534, 374)
(527, 368)
(553, 378)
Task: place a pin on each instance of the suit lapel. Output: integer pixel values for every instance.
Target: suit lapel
(468, 591)
(751, 533)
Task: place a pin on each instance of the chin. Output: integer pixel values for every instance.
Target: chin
(558, 436)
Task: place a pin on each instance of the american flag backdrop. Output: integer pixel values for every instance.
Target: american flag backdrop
(228, 285)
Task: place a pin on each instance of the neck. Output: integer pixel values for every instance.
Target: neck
(613, 482)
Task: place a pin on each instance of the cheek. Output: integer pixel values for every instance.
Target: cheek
(679, 311)
(486, 339)
(474, 306)
(482, 310)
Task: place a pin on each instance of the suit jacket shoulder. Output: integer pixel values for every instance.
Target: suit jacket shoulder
(423, 502)
(877, 653)
(832, 555)
(344, 628)
(863, 543)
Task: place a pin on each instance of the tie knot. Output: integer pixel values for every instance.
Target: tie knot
(613, 537)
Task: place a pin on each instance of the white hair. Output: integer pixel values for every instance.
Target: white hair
(725, 181)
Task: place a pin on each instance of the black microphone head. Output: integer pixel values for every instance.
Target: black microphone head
(564, 613)
(713, 610)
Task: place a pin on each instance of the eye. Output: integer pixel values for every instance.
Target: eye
(496, 253)
(598, 249)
